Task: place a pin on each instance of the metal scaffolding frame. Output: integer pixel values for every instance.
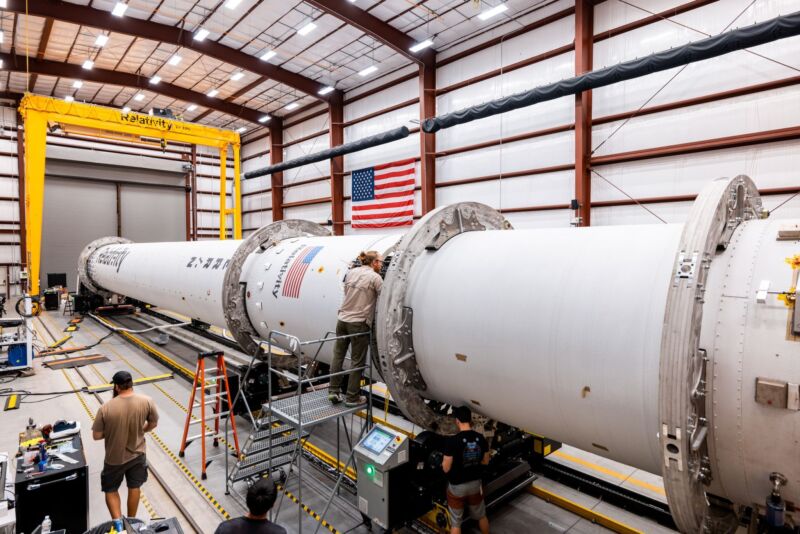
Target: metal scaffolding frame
(287, 420)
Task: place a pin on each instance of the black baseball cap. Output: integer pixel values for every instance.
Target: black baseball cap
(121, 377)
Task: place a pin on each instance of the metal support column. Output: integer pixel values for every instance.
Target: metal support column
(223, 195)
(427, 141)
(336, 120)
(275, 157)
(194, 192)
(23, 234)
(35, 143)
(584, 30)
(237, 192)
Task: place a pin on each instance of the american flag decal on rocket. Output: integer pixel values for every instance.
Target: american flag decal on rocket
(296, 273)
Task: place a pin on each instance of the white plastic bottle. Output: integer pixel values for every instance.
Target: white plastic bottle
(46, 525)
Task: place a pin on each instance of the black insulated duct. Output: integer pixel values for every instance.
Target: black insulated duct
(757, 34)
(347, 148)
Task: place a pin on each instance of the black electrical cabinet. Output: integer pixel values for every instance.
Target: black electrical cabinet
(61, 494)
(51, 298)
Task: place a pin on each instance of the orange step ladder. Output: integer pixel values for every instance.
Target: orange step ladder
(218, 382)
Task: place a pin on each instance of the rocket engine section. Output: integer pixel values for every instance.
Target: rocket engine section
(671, 348)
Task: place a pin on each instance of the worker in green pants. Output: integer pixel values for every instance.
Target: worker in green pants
(362, 285)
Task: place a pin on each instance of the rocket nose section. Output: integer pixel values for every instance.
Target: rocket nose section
(84, 277)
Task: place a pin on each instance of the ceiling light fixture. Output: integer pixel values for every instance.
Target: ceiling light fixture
(241, 130)
(212, 93)
(191, 107)
(200, 34)
(369, 70)
(119, 9)
(88, 64)
(155, 79)
(1, 36)
(69, 98)
(77, 84)
(126, 110)
(264, 119)
(325, 90)
(101, 40)
(496, 10)
(236, 76)
(232, 4)
(421, 45)
(139, 97)
(291, 106)
(308, 28)
(175, 59)
(269, 54)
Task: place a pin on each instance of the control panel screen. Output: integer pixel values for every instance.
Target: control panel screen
(377, 440)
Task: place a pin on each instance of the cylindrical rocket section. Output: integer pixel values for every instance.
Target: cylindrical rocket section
(556, 331)
(569, 322)
(294, 287)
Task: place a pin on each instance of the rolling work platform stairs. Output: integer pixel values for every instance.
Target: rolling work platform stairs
(277, 440)
(289, 418)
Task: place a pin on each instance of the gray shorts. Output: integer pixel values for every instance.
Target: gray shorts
(134, 472)
(463, 497)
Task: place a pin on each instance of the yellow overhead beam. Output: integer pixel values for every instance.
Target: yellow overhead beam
(38, 111)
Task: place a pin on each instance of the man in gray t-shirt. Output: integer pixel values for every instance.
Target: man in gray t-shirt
(362, 285)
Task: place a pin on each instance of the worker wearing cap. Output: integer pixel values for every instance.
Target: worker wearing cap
(122, 423)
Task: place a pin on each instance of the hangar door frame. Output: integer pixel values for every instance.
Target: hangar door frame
(38, 111)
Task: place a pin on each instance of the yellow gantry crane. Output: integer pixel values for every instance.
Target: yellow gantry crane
(39, 111)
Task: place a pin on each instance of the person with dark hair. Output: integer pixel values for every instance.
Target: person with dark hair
(122, 423)
(465, 454)
(260, 498)
(362, 285)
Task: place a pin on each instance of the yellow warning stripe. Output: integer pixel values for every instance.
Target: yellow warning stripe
(328, 459)
(586, 513)
(147, 506)
(12, 402)
(193, 479)
(308, 510)
(609, 472)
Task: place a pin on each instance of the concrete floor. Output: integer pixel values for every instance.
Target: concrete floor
(178, 491)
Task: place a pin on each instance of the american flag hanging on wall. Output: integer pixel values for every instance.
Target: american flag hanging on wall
(383, 195)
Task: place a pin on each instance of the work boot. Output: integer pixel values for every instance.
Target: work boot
(335, 398)
(352, 403)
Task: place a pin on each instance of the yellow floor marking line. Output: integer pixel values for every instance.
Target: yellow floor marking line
(609, 472)
(186, 471)
(308, 510)
(584, 512)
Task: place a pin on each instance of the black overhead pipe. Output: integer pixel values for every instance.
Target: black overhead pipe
(757, 34)
(367, 142)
